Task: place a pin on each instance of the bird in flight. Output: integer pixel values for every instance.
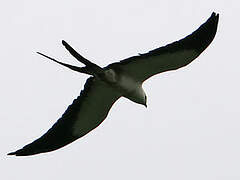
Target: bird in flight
(106, 85)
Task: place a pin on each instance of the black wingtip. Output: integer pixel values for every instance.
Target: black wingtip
(208, 29)
(204, 35)
(25, 151)
(199, 40)
(215, 14)
(11, 153)
(19, 152)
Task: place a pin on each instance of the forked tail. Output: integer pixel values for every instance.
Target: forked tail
(90, 68)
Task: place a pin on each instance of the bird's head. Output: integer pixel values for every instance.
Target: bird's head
(140, 97)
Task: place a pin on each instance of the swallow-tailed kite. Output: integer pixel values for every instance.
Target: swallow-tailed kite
(106, 85)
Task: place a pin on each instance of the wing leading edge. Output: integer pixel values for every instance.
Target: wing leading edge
(171, 56)
(86, 113)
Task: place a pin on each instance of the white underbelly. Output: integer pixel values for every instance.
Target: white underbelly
(126, 85)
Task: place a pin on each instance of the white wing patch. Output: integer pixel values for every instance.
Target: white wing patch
(144, 68)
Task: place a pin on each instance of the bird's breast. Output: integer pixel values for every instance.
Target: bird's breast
(124, 84)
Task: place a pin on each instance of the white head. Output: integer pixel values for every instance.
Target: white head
(138, 96)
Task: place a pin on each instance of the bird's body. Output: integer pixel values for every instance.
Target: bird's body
(106, 85)
(125, 84)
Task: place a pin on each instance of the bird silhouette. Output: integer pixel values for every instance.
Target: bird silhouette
(106, 85)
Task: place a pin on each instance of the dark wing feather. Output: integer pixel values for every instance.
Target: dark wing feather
(172, 56)
(85, 114)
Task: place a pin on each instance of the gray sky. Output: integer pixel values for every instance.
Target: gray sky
(191, 128)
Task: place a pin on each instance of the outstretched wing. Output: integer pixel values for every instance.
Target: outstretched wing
(85, 114)
(172, 56)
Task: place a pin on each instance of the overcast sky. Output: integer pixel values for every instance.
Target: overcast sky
(191, 128)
